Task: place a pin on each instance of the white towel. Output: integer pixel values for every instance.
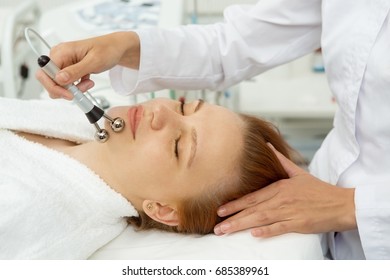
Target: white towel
(52, 206)
(56, 118)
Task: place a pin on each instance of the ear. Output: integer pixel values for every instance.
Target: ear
(162, 213)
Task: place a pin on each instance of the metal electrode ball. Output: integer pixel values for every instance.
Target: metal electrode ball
(101, 136)
(118, 124)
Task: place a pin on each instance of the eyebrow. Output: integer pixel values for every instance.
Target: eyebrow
(194, 137)
(200, 103)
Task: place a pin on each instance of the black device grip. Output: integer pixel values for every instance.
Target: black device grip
(95, 114)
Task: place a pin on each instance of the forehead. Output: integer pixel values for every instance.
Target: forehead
(220, 142)
(222, 131)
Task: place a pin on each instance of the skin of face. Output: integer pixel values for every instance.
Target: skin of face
(152, 162)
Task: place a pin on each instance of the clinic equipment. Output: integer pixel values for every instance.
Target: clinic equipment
(85, 101)
(113, 15)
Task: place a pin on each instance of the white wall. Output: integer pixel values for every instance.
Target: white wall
(44, 4)
(204, 6)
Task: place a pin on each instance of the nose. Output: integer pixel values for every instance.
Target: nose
(164, 117)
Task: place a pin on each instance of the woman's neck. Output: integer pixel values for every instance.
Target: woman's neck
(95, 156)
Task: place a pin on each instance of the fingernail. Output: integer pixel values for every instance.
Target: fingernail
(67, 97)
(90, 84)
(270, 145)
(62, 77)
(257, 232)
(221, 211)
(225, 227)
(217, 230)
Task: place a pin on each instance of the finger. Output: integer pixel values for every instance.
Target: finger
(255, 219)
(85, 85)
(86, 77)
(268, 212)
(291, 168)
(273, 229)
(75, 72)
(54, 90)
(247, 201)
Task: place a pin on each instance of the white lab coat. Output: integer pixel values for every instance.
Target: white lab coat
(355, 39)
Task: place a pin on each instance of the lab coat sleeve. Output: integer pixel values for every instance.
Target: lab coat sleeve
(373, 219)
(251, 40)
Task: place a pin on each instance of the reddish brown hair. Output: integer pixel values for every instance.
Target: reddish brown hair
(257, 167)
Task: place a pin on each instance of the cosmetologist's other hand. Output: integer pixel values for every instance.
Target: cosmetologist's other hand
(302, 204)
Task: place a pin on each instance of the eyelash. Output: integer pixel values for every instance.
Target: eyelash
(176, 147)
(182, 103)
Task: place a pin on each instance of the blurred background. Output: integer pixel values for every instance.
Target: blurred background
(294, 96)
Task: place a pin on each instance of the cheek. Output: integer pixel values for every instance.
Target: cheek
(150, 152)
(151, 161)
(120, 111)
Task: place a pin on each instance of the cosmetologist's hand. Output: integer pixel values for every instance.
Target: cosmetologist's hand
(78, 59)
(302, 204)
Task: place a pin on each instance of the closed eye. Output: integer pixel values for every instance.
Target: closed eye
(182, 103)
(177, 147)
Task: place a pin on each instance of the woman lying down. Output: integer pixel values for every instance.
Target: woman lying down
(64, 195)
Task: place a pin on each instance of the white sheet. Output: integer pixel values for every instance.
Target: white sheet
(157, 245)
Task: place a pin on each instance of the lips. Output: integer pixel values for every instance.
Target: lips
(135, 115)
